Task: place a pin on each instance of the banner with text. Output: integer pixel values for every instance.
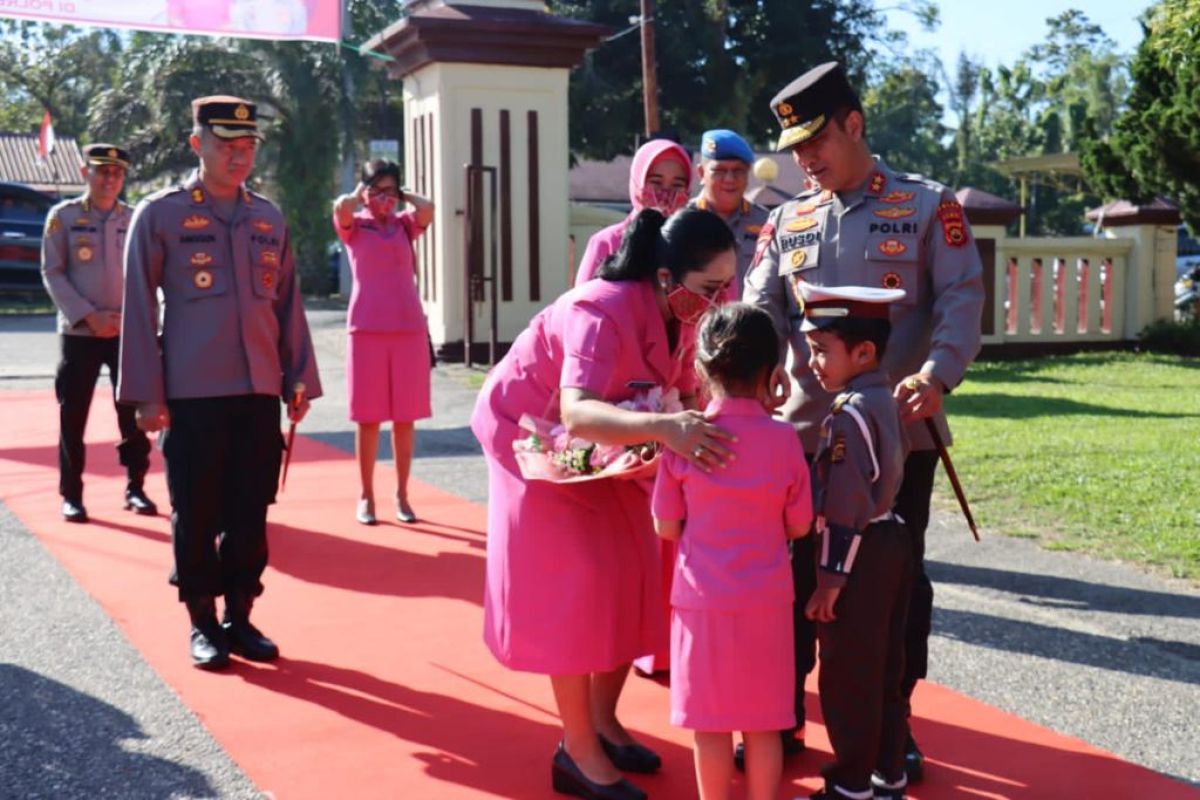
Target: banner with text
(253, 19)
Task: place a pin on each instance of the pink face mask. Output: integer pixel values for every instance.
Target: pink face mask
(382, 205)
(666, 201)
(688, 306)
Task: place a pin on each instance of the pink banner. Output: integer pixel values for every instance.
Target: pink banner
(253, 19)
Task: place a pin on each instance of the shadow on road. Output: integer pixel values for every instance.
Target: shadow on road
(1067, 593)
(59, 742)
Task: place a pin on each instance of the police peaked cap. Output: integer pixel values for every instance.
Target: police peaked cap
(226, 116)
(96, 155)
(805, 106)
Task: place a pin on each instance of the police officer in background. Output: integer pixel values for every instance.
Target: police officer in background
(81, 267)
(864, 224)
(724, 171)
(234, 344)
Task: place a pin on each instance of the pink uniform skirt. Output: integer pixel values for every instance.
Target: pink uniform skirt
(733, 670)
(387, 376)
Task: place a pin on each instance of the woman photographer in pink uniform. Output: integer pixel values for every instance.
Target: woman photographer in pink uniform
(572, 581)
(387, 352)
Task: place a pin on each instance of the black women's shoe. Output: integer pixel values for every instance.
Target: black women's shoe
(631, 757)
(567, 778)
(792, 745)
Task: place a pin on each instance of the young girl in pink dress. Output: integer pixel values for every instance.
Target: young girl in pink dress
(572, 581)
(387, 351)
(731, 621)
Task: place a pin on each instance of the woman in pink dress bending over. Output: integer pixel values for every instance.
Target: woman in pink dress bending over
(660, 177)
(731, 621)
(387, 352)
(572, 586)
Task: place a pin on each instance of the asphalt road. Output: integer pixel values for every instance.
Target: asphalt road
(1097, 650)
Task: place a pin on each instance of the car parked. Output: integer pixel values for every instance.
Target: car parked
(22, 218)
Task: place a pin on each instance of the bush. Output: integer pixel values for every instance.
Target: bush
(1167, 336)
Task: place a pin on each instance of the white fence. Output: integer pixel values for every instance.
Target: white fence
(1060, 289)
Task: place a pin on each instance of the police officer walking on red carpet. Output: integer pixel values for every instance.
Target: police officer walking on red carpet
(81, 268)
(865, 224)
(234, 343)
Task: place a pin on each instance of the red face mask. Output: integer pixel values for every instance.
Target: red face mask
(382, 205)
(688, 306)
(667, 201)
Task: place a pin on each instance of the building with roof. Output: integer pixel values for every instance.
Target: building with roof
(59, 175)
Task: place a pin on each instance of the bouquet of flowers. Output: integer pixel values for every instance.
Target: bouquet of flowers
(550, 453)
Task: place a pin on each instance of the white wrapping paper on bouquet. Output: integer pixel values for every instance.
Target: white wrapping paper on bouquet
(550, 453)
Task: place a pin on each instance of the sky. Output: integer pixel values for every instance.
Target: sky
(998, 33)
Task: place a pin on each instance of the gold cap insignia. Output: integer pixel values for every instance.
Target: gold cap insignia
(242, 113)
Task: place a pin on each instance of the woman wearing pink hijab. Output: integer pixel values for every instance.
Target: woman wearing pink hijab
(660, 178)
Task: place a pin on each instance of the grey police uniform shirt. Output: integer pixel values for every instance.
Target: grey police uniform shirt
(857, 469)
(232, 319)
(81, 261)
(746, 223)
(900, 231)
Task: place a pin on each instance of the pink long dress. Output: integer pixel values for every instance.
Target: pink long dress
(572, 573)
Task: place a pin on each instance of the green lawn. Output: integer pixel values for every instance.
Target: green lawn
(1092, 452)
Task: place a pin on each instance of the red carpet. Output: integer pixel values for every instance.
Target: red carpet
(385, 688)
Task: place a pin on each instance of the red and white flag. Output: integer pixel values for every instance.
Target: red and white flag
(45, 139)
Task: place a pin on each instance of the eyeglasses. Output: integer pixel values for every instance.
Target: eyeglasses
(737, 174)
(387, 192)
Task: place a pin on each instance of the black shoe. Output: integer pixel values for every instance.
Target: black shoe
(137, 502)
(914, 761)
(792, 745)
(73, 511)
(631, 757)
(882, 791)
(246, 640)
(567, 778)
(209, 647)
(829, 793)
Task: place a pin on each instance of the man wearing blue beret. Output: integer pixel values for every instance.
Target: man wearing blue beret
(724, 171)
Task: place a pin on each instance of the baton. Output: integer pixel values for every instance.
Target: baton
(944, 454)
(297, 399)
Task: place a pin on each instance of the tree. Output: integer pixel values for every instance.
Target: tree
(1155, 143)
(719, 66)
(904, 121)
(301, 90)
(55, 68)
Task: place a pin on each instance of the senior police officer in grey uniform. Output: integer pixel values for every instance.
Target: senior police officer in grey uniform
(865, 224)
(724, 172)
(234, 343)
(81, 267)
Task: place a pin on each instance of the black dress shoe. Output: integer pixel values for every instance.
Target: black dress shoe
(885, 791)
(210, 651)
(631, 757)
(73, 511)
(567, 778)
(246, 640)
(209, 647)
(137, 502)
(914, 761)
(792, 745)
